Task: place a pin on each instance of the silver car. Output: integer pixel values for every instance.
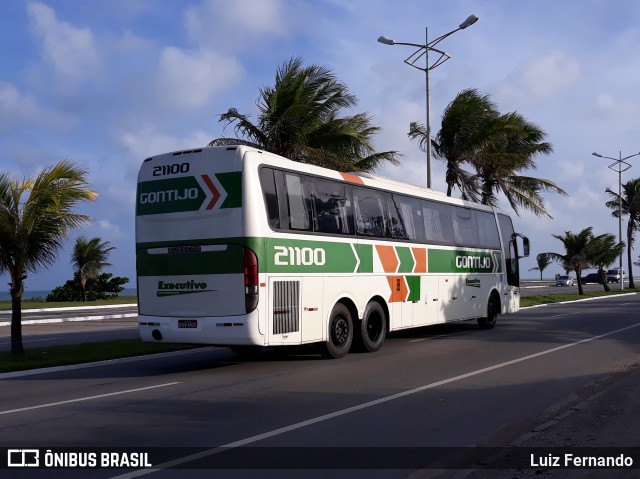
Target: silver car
(565, 281)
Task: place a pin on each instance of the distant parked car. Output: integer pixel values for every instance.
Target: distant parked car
(591, 278)
(613, 275)
(564, 281)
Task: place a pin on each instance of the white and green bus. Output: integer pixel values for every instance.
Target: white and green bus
(243, 248)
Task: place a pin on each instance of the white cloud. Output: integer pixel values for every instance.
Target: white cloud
(16, 108)
(232, 26)
(70, 50)
(542, 78)
(148, 142)
(189, 79)
(548, 75)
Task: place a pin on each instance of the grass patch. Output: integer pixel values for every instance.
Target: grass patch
(82, 353)
(5, 305)
(527, 301)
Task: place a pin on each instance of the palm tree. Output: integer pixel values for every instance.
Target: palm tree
(459, 138)
(499, 147)
(576, 253)
(299, 119)
(36, 215)
(603, 251)
(511, 144)
(88, 258)
(631, 207)
(543, 261)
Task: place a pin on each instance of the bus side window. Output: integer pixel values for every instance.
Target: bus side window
(270, 197)
(299, 202)
(465, 228)
(438, 222)
(333, 212)
(409, 212)
(487, 230)
(371, 218)
(398, 225)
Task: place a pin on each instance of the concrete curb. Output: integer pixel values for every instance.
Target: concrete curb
(73, 308)
(106, 362)
(579, 300)
(71, 320)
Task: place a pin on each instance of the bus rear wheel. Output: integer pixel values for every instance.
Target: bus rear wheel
(340, 332)
(493, 308)
(373, 327)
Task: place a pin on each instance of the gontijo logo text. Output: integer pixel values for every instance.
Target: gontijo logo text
(190, 193)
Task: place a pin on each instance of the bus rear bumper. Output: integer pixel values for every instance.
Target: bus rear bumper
(221, 331)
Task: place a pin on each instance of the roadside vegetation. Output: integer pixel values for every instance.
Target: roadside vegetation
(40, 303)
(537, 300)
(82, 353)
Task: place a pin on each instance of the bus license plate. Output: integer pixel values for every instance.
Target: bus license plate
(187, 323)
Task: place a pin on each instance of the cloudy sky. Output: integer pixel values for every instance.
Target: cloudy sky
(109, 83)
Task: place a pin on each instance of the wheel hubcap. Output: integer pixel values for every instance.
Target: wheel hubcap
(340, 331)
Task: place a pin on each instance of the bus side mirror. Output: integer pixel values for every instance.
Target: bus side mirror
(522, 245)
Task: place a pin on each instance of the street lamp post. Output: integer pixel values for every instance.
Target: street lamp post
(619, 165)
(423, 50)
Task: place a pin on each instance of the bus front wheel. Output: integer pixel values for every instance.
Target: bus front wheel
(340, 332)
(373, 327)
(493, 308)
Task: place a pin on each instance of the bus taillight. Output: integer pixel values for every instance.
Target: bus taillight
(250, 280)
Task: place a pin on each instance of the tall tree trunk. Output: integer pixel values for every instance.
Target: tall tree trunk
(83, 286)
(580, 290)
(629, 259)
(16, 318)
(603, 278)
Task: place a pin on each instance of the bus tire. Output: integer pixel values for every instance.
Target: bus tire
(340, 334)
(493, 307)
(373, 327)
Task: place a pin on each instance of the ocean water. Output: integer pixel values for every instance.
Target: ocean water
(31, 294)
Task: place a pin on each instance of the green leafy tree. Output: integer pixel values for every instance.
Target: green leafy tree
(299, 118)
(576, 253)
(36, 215)
(100, 286)
(460, 137)
(499, 148)
(543, 261)
(602, 251)
(630, 207)
(512, 144)
(89, 257)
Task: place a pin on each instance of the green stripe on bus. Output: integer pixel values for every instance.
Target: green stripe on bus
(296, 256)
(459, 261)
(365, 253)
(229, 261)
(413, 282)
(406, 259)
(232, 184)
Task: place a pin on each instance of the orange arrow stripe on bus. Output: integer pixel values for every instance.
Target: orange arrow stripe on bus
(214, 190)
(420, 255)
(388, 258)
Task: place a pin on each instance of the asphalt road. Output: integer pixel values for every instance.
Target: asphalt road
(444, 386)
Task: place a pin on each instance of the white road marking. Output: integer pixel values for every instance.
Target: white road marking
(562, 315)
(31, 341)
(436, 337)
(88, 398)
(349, 410)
